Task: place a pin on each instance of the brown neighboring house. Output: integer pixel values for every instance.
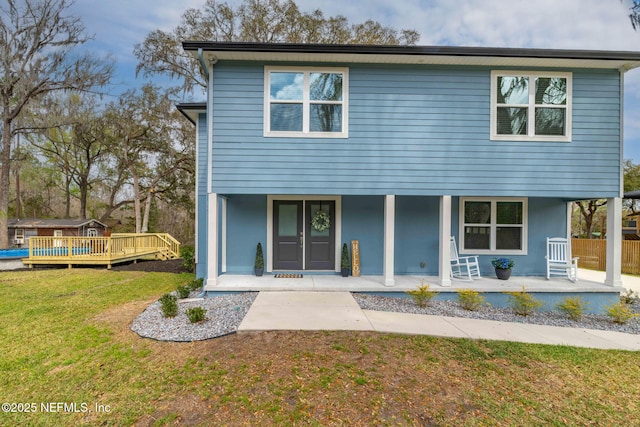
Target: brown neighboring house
(20, 230)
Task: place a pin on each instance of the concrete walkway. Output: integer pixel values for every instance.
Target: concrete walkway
(282, 310)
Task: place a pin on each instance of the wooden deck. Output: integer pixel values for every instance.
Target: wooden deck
(107, 251)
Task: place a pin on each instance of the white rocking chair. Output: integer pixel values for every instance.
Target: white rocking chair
(464, 268)
(559, 261)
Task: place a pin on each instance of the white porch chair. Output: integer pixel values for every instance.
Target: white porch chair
(559, 261)
(464, 268)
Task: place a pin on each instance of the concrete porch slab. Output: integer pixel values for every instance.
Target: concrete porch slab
(588, 282)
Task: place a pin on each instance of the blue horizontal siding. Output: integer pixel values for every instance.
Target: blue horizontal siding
(202, 155)
(416, 233)
(415, 131)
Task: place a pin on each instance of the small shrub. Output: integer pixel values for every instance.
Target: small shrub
(470, 300)
(196, 314)
(620, 313)
(423, 295)
(169, 305)
(259, 261)
(523, 303)
(196, 284)
(573, 307)
(183, 291)
(344, 259)
(187, 253)
(629, 297)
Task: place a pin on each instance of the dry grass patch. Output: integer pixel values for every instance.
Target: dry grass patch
(68, 339)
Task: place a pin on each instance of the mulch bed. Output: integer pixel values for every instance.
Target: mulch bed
(159, 266)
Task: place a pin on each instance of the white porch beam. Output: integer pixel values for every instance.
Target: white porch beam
(444, 235)
(614, 242)
(212, 241)
(389, 239)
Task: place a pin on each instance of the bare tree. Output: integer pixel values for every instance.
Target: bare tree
(152, 145)
(634, 14)
(588, 210)
(37, 58)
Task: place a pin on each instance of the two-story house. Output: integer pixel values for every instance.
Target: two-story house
(401, 147)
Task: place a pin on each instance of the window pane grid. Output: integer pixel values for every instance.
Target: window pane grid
(506, 236)
(546, 113)
(306, 102)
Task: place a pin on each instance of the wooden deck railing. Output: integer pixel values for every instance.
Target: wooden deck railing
(101, 250)
(593, 254)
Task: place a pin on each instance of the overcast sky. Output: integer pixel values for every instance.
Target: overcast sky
(562, 24)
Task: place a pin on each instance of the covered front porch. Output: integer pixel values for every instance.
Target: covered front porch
(394, 227)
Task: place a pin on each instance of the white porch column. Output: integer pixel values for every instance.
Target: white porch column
(212, 241)
(223, 235)
(389, 239)
(614, 242)
(444, 235)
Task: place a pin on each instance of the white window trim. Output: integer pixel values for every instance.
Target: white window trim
(306, 103)
(531, 106)
(493, 226)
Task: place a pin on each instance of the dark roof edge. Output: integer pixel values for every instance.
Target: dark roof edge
(54, 222)
(185, 107)
(506, 52)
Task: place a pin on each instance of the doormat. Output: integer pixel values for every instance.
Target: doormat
(288, 276)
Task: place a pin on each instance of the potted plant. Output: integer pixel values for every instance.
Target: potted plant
(259, 264)
(503, 267)
(344, 261)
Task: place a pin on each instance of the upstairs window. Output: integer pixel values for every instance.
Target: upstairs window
(528, 106)
(307, 102)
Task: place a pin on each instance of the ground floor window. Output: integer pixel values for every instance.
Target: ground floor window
(493, 225)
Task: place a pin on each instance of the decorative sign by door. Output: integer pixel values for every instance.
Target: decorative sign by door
(355, 258)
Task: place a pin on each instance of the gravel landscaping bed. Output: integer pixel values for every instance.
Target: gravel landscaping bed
(453, 309)
(225, 313)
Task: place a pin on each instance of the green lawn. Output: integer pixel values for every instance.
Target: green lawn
(66, 347)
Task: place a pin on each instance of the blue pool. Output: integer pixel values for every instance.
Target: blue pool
(14, 253)
(24, 252)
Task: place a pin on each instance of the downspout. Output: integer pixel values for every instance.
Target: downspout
(203, 64)
(208, 72)
(622, 75)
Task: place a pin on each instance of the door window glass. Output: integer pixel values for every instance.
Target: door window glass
(287, 220)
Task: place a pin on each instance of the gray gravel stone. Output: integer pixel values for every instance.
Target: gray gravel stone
(224, 315)
(453, 309)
